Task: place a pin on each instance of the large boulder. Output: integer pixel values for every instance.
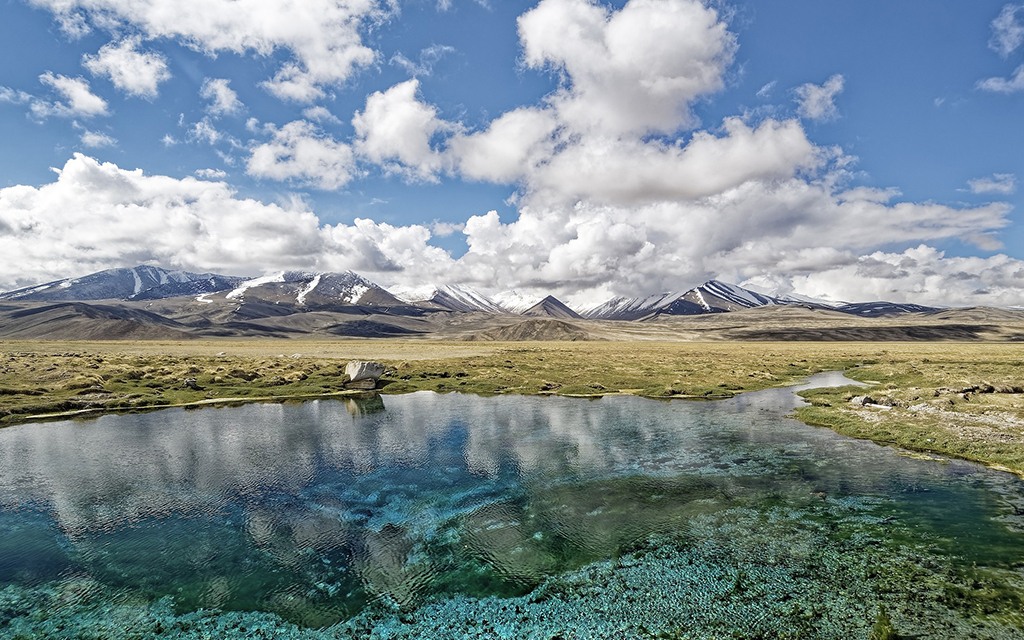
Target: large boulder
(361, 370)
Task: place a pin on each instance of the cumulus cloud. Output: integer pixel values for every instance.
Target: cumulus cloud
(136, 73)
(1001, 183)
(96, 215)
(1007, 30)
(78, 98)
(322, 36)
(300, 152)
(817, 102)
(223, 100)
(1012, 84)
(635, 70)
(394, 130)
(923, 275)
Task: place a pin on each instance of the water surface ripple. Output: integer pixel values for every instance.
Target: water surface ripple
(439, 516)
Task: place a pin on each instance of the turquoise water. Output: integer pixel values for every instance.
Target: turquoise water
(452, 516)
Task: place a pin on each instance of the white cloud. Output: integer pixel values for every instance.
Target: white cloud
(322, 36)
(1004, 85)
(204, 131)
(444, 229)
(211, 174)
(1007, 30)
(428, 58)
(79, 100)
(817, 102)
(136, 73)
(766, 90)
(923, 275)
(223, 100)
(94, 139)
(635, 70)
(96, 215)
(1001, 183)
(300, 152)
(395, 129)
(13, 96)
(318, 114)
(509, 148)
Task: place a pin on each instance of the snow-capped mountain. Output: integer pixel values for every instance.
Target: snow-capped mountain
(449, 297)
(711, 297)
(137, 283)
(516, 301)
(287, 292)
(312, 289)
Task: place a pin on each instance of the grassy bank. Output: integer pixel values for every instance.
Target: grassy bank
(957, 399)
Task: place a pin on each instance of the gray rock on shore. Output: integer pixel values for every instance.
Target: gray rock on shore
(362, 370)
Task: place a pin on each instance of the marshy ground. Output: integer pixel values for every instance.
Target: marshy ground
(950, 399)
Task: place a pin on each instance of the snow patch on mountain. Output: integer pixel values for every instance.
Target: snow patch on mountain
(516, 301)
(452, 297)
(255, 282)
(301, 298)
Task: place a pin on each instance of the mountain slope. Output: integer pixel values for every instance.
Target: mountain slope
(312, 290)
(120, 284)
(711, 297)
(448, 297)
(551, 307)
(83, 321)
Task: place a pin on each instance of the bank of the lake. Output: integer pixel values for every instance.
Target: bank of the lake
(950, 399)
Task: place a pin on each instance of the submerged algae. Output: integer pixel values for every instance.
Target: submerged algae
(817, 571)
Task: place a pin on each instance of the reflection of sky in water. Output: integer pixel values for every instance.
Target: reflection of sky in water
(310, 509)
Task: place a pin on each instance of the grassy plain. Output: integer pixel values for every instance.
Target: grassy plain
(949, 399)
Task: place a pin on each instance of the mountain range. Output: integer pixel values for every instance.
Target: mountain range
(148, 302)
(310, 291)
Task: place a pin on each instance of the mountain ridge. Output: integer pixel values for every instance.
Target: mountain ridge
(300, 291)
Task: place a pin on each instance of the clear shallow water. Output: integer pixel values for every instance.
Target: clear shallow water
(431, 515)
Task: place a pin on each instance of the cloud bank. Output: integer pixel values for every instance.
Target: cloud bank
(620, 189)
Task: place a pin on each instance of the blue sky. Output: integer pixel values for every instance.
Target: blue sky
(851, 150)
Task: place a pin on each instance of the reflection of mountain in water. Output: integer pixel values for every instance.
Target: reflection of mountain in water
(436, 493)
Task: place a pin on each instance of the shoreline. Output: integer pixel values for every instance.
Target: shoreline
(958, 400)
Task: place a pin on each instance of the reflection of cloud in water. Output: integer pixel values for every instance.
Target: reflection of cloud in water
(116, 469)
(348, 481)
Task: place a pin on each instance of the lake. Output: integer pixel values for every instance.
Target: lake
(455, 516)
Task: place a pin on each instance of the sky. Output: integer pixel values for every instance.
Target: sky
(849, 150)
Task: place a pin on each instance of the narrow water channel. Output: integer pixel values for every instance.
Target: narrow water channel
(451, 516)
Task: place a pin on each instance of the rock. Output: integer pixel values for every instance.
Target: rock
(191, 383)
(361, 370)
(862, 401)
(366, 384)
